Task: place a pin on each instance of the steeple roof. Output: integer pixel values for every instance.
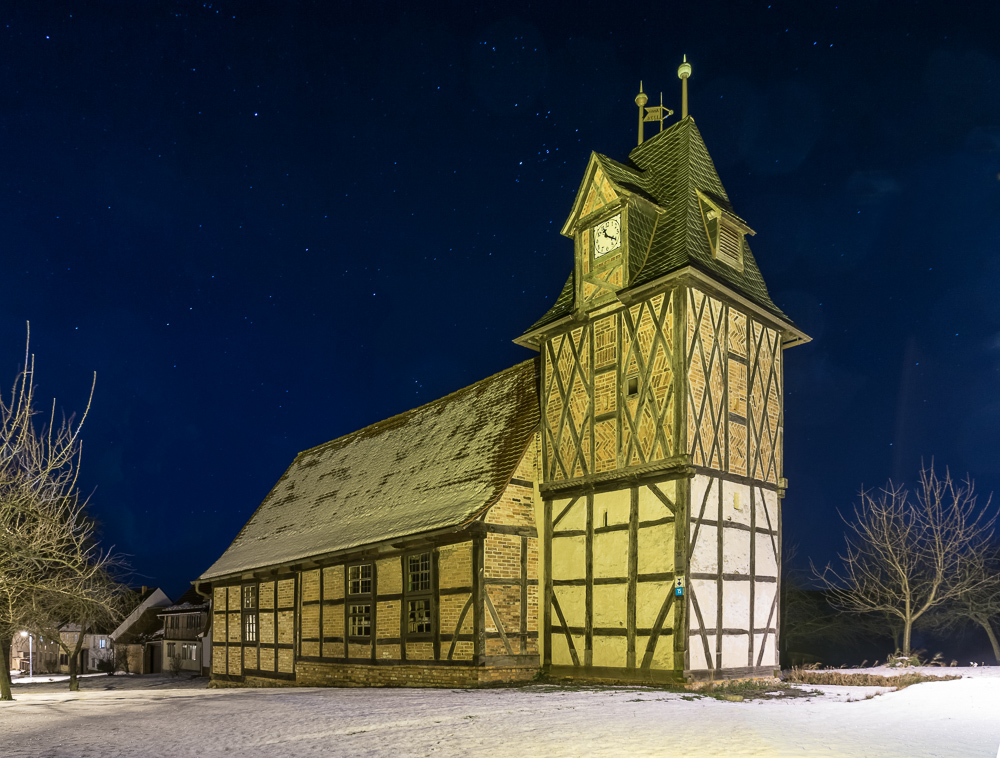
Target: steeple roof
(669, 170)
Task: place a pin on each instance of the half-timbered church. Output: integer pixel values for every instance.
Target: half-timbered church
(608, 509)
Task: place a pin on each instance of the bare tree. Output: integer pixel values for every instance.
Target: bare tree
(909, 554)
(979, 603)
(73, 602)
(49, 557)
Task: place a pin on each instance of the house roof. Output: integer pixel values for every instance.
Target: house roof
(437, 466)
(188, 602)
(668, 170)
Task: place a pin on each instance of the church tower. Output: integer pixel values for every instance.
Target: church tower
(661, 425)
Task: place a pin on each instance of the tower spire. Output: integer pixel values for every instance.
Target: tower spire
(641, 100)
(683, 72)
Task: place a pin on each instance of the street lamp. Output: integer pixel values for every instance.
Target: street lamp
(31, 668)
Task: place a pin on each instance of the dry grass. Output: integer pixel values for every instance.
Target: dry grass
(806, 676)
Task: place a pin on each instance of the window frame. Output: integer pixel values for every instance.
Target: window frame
(359, 601)
(359, 615)
(370, 579)
(416, 593)
(249, 628)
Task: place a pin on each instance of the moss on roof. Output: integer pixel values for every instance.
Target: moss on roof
(668, 170)
(432, 467)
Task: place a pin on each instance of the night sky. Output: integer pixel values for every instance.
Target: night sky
(267, 225)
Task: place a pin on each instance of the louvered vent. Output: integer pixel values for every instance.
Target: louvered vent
(730, 242)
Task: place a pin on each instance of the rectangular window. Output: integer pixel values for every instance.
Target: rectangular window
(250, 627)
(359, 579)
(419, 603)
(171, 649)
(103, 643)
(418, 572)
(419, 616)
(250, 613)
(189, 652)
(360, 620)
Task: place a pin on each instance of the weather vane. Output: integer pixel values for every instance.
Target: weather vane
(658, 112)
(655, 113)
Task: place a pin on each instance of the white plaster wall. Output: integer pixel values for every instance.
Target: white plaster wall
(654, 595)
(738, 509)
(770, 657)
(616, 505)
(575, 518)
(764, 594)
(696, 651)
(736, 503)
(735, 650)
(700, 483)
(656, 549)
(705, 591)
(651, 507)
(766, 503)
(704, 549)
(569, 555)
(766, 557)
(610, 555)
(735, 551)
(610, 651)
(610, 605)
(573, 603)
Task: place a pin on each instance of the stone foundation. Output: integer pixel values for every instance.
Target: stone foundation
(402, 675)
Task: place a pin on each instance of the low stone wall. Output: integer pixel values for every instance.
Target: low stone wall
(354, 675)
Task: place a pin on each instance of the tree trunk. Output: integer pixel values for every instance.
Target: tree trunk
(985, 624)
(5, 693)
(907, 629)
(74, 685)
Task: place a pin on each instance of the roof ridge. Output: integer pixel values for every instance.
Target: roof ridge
(396, 418)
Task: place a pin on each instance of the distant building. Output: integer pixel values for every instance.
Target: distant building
(138, 639)
(38, 654)
(610, 509)
(186, 636)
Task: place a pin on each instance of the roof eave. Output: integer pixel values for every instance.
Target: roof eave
(791, 334)
(333, 557)
(533, 338)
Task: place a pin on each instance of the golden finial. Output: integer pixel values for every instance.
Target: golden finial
(683, 72)
(641, 100)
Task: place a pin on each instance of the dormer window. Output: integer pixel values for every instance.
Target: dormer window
(725, 232)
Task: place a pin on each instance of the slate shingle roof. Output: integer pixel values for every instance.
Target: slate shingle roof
(437, 466)
(189, 601)
(668, 170)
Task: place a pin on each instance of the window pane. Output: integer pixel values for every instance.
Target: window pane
(250, 627)
(360, 620)
(419, 621)
(418, 572)
(360, 579)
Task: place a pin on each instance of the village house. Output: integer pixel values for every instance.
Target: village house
(34, 653)
(138, 638)
(186, 633)
(609, 509)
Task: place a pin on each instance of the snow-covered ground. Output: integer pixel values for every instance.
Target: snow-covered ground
(163, 716)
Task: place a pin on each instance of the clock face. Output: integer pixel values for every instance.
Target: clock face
(608, 236)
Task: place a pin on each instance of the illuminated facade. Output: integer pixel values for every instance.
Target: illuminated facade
(661, 426)
(608, 510)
